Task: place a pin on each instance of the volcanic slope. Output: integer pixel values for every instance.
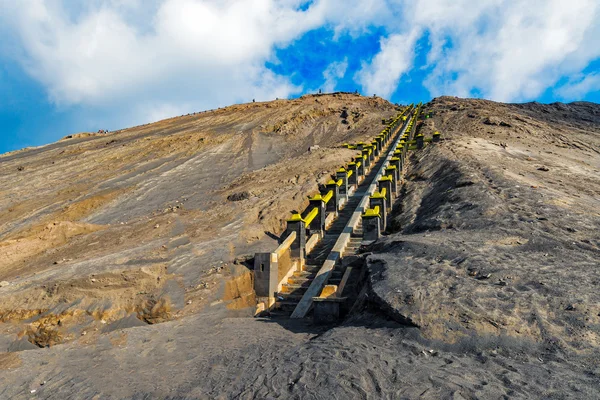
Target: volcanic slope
(142, 221)
(485, 286)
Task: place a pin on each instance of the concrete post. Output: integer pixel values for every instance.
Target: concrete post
(400, 153)
(326, 311)
(317, 225)
(360, 166)
(366, 158)
(371, 227)
(266, 274)
(420, 141)
(360, 146)
(376, 148)
(343, 175)
(371, 154)
(386, 182)
(395, 161)
(393, 172)
(333, 205)
(379, 140)
(296, 224)
(352, 174)
(379, 200)
(436, 137)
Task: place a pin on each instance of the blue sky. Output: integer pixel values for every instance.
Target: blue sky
(68, 67)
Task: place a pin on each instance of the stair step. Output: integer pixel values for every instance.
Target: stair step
(285, 306)
(280, 313)
(336, 273)
(303, 285)
(289, 297)
(300, 280)
(295, 291)
(304, 275)
(312, 268)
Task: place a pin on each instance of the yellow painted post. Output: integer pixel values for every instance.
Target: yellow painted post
(360, 166)
(366, 158)
(420, 141)
(385, 182)
(377, 199)
(371, 224)
(376, 148)
(352, 173)
(393, 172)
(332, 201)
(379, 140)
(315, 220)
(297, 224)
(342, 174)
(395, 161)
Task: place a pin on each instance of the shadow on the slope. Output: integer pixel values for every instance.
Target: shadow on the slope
(369, 317)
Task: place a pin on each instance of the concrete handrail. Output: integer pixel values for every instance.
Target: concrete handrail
(328, 196)
(311, 215)
(285, 245)
(271, 269)
(322, 277)
(342, 285)
(372, 212)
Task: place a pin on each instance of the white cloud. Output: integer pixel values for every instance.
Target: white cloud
(146, 58)
(577, 88)
(527, 49)
(396, 57)
(184, 53)
(506, 50)
(334, 72)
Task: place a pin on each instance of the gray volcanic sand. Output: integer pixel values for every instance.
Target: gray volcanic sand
(209, 356)
(485, 287)
(157, 220)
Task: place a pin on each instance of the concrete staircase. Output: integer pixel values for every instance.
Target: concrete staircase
(292, 291)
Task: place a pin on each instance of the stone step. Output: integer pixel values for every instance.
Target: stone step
(311, 275)
(300, 280)
(304, 274)
(334, 281)
(312, 268)
(284, 308)
(293, 289)
(289, 297)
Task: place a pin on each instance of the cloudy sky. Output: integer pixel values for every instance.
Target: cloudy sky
(69, 66)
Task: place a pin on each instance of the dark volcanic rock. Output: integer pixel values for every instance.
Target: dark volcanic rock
(238, 196)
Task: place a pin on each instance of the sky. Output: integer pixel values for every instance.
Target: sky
(70, 66)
